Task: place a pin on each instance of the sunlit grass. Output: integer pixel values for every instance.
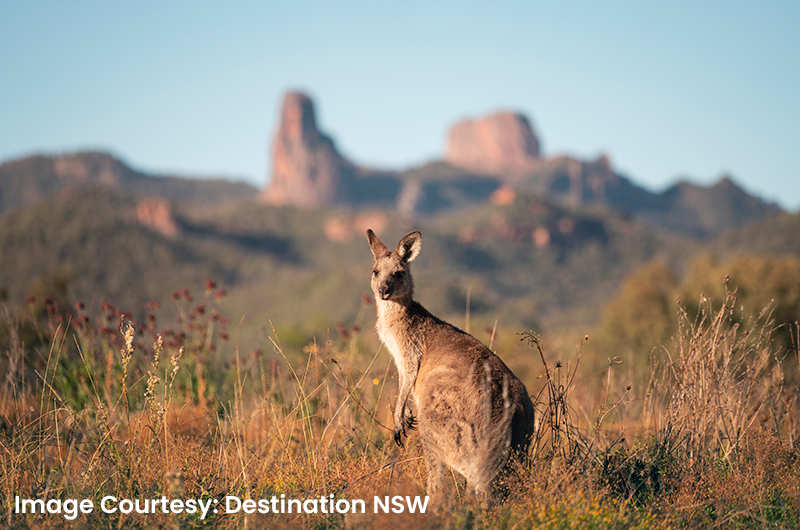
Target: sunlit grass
(94, 404)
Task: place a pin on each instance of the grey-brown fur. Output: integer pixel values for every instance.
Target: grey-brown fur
(473, 411)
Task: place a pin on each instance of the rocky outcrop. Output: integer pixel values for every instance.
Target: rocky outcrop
(155, 213)
(499, 143)
(348, 227)
(306, 168)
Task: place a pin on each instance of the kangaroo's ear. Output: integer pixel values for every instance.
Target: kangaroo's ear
(376, 245)
(409, 246)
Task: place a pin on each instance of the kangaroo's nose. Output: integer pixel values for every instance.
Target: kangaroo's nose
(385, 291)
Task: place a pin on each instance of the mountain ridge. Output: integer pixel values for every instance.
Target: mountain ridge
(484, 154)
(27, 180)
(685, 208)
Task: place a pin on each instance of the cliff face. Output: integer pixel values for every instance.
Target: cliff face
(306, 168)
(156, 214)
(498, 143)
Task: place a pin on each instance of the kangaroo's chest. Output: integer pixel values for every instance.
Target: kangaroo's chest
(392, 339)
(402, 336)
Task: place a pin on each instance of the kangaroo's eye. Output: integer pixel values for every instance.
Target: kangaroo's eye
(375, 273)
(398, 274)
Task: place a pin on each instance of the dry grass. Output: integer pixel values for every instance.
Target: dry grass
(99, 407)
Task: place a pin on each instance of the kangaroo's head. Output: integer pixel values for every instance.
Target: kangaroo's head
(391, 275)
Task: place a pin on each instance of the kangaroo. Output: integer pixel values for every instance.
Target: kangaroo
(473, 411)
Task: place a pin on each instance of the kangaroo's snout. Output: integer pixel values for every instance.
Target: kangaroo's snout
(385, 291)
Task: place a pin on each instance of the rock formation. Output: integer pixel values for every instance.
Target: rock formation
(499, 143)
(155, 213)
(306, 168)
(349, 227)
(494, 158)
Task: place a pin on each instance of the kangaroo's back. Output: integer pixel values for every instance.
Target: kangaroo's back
(473, 411)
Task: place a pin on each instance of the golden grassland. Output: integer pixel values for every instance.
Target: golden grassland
(95, 405)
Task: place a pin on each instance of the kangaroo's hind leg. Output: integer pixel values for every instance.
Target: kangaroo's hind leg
(434, 465)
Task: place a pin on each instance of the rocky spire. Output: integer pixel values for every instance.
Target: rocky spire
(306, 168)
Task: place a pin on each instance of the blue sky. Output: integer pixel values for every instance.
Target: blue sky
(667, 90)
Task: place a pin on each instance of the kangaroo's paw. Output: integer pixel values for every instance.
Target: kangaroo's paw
(409, 421)
(399, 433)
